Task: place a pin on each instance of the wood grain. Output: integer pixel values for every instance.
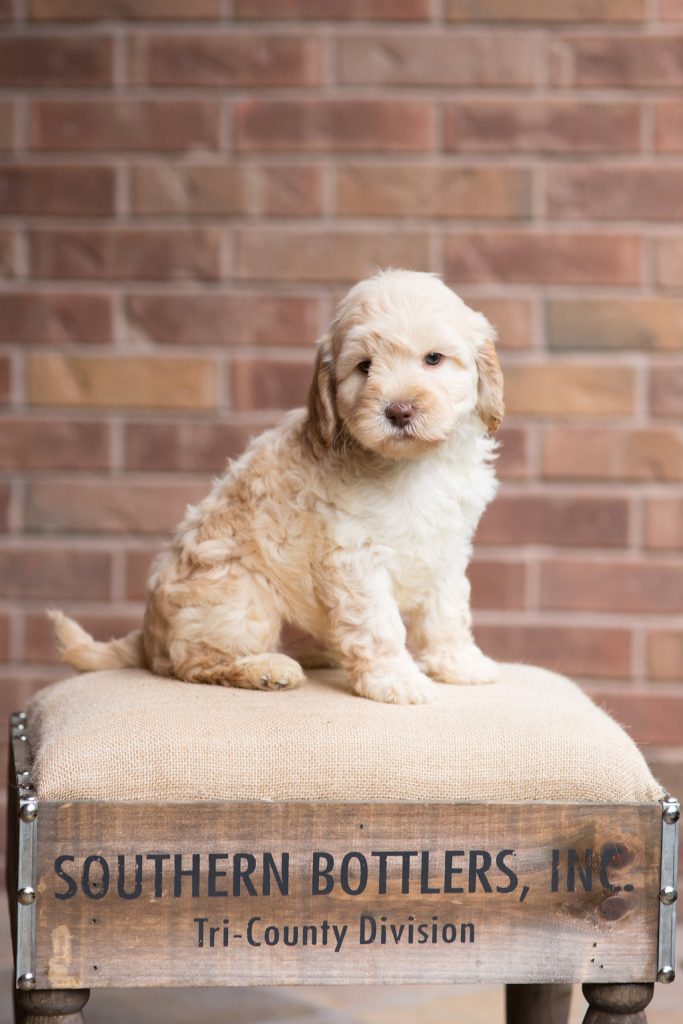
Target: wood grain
(523, 931)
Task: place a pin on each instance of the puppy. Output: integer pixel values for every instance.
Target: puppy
(353, 516)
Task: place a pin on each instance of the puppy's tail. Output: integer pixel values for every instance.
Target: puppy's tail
(78, 649)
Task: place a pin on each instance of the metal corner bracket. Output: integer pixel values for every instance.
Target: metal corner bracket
(666, 950)
(27, 833)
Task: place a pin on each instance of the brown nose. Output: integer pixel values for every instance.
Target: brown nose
(400, 413)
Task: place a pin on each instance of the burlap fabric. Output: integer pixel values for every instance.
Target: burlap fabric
(129, 735)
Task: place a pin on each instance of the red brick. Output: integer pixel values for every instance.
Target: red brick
(8, 253)
(517, 256)
(666, 390)
(27, 444)
(497, 584)
(611, 586)
(56, 189)
(269, 383)
(665, 655)
(540, 10)
(512, 318)
(131, 382)
(669, 126)
(108, 506)
(138, 565)
(39, 634)
(577, 651)
(142, 10)
(433, 190)
(608, 193)
(559, 520)
(604, 454)
(195, 189)
(350, 125)
(145, 254)
(239, 319)
(55, 318)
(444, 58)
(5, 379)
(332, 255)
(569, 389)
(110, 124)
(664, 523)
(380, 10)
(546, 126)
(513, 454)
(190, 447)
(5, 496)
(612, 60)
(671, 10)
(649, 719)
(668, 254)
(630, 323)
(4, 637)
(225, 59)
(6, 125)
(49, 573)
(66, 62)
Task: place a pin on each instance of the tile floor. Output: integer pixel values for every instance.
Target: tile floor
(395, 1004)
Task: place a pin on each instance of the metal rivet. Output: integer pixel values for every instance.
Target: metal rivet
(23, 737)
(19, 727)
(666, 975)
(28, 809)
(24, 773)
(668, 894)
(26, 982)
(21, 715)
(26, 895)
(671, 810)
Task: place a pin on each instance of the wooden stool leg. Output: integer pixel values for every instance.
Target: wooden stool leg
(617, 1004)
(51, 1006)
(537, 1004)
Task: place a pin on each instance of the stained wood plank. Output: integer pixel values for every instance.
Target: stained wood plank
(494, 892)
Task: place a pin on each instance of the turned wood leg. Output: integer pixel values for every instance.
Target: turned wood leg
(50, 1006)
(537, 1004)
(617, 1004)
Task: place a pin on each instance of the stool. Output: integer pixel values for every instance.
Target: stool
(164, 834)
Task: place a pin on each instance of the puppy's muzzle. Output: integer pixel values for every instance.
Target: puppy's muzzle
(400, 413)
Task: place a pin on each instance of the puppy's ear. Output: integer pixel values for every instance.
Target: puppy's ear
(322, 411)
(490, 384)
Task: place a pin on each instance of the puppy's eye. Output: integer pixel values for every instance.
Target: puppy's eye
(433, 358)
(364, 367)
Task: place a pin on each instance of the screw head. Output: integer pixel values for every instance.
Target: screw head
(668, 895)
(666, 975)
(29, 809)
(671, 810)
(26, 982)
(26, 895)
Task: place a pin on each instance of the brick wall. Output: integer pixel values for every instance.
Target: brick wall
(186, 186)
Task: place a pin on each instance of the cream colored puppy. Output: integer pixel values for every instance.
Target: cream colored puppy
(348, 517)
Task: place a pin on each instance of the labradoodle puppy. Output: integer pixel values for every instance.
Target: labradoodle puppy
(352, 517)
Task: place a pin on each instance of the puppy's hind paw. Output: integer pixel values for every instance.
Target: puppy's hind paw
(266, 672)
(396, 687)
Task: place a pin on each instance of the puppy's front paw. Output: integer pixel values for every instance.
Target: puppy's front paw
(396, 687)
(266, 672)
(464, 667)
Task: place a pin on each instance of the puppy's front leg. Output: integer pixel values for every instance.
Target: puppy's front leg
(441, 634)
(366, 629)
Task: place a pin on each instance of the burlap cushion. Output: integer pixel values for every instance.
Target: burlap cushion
(129, 735)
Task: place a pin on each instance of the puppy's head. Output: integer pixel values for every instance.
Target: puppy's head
(404, 364)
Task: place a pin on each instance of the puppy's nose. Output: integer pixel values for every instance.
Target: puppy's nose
(400, 413)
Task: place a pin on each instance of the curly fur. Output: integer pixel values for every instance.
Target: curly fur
(337, 520)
